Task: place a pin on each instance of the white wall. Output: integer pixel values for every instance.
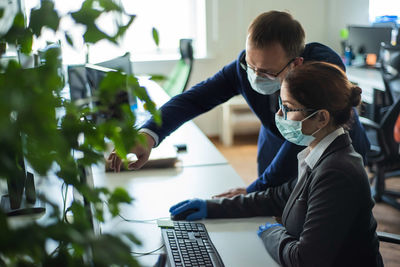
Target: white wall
(342, 13)
(227, 22)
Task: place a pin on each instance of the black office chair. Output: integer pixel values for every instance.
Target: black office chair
(384, 157)
(178, 80)
(388, 237)
(390, 69)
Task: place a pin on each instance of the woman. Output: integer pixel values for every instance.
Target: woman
(327, 211)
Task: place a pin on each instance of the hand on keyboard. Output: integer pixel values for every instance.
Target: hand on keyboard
(197, 208)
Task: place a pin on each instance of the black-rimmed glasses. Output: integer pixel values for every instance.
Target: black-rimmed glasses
(265, 74)
(285, 109)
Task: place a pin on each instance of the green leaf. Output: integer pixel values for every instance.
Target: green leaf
(122, 29)
(69, 39)
(120, 195)
(158, 77)
(93, 34)
(19, 20)
(110, 6)
(86, 15)
(26, 42)
(45, 16)
(155, 36)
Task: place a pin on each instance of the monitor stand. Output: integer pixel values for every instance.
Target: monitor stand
(14, 204)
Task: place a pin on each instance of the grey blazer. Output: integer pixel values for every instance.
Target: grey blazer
(327, 217)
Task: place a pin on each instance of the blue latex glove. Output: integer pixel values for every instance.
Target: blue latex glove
(196, 207)
(265, 227)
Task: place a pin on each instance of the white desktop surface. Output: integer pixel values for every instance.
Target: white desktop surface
(199, 149)
(156, 190)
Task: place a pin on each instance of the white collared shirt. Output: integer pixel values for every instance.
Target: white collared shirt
(309, 158)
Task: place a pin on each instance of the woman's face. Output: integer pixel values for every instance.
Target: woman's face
(309, 125)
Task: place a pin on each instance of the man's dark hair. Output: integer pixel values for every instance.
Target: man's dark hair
(280, 27)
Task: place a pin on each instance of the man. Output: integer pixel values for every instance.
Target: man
(275, 44)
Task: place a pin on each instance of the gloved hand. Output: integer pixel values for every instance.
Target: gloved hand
(265, 227)
(190, 210)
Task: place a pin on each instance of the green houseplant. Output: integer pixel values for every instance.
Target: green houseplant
(29, 99)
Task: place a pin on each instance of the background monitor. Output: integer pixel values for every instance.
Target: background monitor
(122, 63)
(367, 40)
(21, 196)
(84, 81)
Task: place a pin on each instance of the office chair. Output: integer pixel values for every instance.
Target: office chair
(388, 237)
(384, 157)
(177, 81)
(390, 71)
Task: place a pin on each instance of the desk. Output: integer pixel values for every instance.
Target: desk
(200, 150)
(156, 190)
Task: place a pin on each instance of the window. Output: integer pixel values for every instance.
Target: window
(174, 19)
(383, 8)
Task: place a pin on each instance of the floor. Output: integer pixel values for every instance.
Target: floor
(242, 157)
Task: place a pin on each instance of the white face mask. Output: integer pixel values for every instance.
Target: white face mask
(262, 85)
(291, 130)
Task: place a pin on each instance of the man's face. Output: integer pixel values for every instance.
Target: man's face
(270, 61)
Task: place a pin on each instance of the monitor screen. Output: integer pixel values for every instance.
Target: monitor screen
(122, 63)
(84, 82)
(367, 40)
(21, 196)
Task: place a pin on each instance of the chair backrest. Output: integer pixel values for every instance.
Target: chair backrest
(390, 70)
(186, 50)
(386, 134)
(179, 77)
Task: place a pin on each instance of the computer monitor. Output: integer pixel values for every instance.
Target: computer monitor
(21, 196)
(367, 40)
(122, 63)
(84, 82)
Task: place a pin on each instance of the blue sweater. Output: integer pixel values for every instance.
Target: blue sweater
(277, 158)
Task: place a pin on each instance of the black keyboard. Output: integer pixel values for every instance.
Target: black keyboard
(188, 244)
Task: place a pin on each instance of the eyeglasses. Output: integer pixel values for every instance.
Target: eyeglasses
(265, 74)
(285, 109)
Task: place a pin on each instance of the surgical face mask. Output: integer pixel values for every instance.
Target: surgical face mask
(262, 85)
(291, 130)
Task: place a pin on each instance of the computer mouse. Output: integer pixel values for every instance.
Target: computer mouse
(182, 216)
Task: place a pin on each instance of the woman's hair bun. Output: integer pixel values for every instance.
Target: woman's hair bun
(355, 96)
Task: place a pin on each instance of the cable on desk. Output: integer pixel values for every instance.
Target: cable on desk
(140, 254)
(149, 221)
